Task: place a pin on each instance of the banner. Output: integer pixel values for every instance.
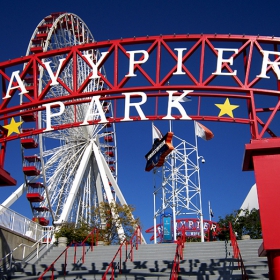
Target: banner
(167, 229)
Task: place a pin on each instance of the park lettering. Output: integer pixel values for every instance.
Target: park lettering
(173, 102)
(266, 62)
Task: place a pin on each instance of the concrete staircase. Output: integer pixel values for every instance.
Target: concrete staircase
(209, 260)
(214, 260)
(256, 267)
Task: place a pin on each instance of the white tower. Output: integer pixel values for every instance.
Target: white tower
(178, 191)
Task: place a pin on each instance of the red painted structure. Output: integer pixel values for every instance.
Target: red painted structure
(263, 156)
(168, 68)
(244, 86)
(188, 227)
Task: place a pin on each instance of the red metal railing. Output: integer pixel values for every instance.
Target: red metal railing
(134, 242)
(236, 253)
(178, 256)
(92, 237)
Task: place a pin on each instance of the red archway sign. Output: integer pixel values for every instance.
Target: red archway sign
(229, 78)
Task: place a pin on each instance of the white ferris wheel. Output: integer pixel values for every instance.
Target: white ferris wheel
(71, 170)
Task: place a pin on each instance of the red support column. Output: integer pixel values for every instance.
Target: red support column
(263, 156)
(273, 258)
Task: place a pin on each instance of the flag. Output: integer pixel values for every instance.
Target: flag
(203, 132)
(156, 133)
(184, 99)
(211, 213)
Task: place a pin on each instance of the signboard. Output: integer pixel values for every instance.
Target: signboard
(161, 148)
(167, 229)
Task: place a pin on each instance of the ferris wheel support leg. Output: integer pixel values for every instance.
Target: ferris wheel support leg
(263, 156)
(14, 196)
(113, 181)
(117, 189)
(201, 228)
(76, 183)
(107, 188)
(99, 189)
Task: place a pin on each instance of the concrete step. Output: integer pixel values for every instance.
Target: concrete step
(209, 260)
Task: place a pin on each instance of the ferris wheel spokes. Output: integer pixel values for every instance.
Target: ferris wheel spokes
(75, 186)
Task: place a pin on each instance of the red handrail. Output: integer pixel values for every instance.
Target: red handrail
(91, 235)
(134, 240)
(237, 253)
(178, 256)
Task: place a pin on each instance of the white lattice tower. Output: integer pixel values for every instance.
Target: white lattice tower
(178, 191)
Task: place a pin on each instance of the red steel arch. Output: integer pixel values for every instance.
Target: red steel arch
(160, 73)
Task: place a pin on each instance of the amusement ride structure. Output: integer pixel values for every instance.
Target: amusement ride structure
(177, 194)
(63, 106)
(78, 165)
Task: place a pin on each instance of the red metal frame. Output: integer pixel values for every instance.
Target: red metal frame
(244, 86)
(203, 84)
(263, 156)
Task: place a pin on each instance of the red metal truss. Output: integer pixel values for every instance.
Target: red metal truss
(196, 73)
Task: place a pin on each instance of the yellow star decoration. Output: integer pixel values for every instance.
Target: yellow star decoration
(226, 108)
(13, 127)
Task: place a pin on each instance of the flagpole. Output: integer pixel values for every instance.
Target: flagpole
(152, 132)
(154, 195)
(209, 211)
(155, 219)
(173, 190)
(198, 178)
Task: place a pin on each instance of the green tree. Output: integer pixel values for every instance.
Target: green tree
(243, 222)
(249, 223)
(73, 232)
(109, 224)
(104, 220)
(224, 225)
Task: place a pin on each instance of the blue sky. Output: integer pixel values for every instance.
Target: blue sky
(222, 180)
